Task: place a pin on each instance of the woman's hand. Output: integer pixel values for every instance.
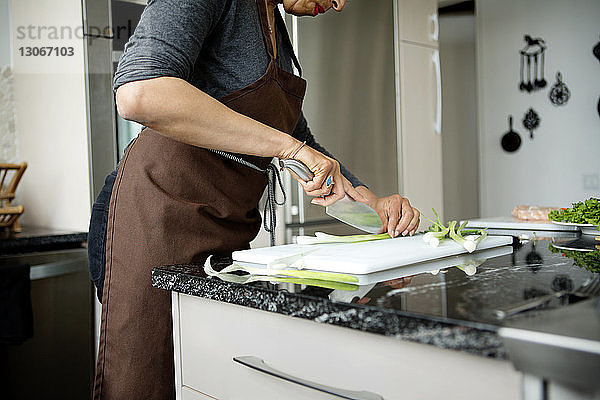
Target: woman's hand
(323, 167)
(396, 213)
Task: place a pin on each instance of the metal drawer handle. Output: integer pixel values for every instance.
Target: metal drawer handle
(58, 268)
(259, 365)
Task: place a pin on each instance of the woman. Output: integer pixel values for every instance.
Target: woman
(175, 201)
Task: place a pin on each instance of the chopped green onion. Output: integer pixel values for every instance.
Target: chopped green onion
(438, 232)
(467, 244)
(324, 276)
(244, 279)
(321, 238)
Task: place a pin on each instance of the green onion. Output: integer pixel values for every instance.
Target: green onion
(321, 238)
(469, 245)
(434, 238)
(438, 232)
(244, 279)
(328, 280)
(350, 287)
(324, 276)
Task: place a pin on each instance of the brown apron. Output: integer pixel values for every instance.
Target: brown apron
(175, 203)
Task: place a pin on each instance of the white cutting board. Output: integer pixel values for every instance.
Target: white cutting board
(515, 223)
(365, 257)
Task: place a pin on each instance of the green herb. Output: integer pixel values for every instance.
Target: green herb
(589, 260)
(583, 212)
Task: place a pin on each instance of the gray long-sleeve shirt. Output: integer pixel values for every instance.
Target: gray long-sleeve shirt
(215, 45)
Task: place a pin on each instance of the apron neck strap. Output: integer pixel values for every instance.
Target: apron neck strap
(264, 23)
(280, 25)
(286, 37)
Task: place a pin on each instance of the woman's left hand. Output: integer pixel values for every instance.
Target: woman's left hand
(396, 213)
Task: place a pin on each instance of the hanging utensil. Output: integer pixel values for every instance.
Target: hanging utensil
(596, 52)
(522, 86)
(542, 82)
(534, 48)
(531, 121)
(529, 85)
(559, 94)
(536, 81)
(511, 140)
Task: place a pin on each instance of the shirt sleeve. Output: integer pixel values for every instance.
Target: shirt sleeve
(302, 132)
(168, 39)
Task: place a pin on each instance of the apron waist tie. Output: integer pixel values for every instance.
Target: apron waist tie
(273, 178)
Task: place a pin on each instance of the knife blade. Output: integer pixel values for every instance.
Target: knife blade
(349, 211)
(355, 214)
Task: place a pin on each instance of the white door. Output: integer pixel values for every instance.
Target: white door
(421, 128)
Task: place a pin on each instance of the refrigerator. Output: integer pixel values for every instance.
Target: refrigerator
(108, 133)
(349, 62)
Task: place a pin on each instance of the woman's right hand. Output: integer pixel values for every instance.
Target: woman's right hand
(323, 167)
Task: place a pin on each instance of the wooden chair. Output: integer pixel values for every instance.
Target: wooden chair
(10, 176)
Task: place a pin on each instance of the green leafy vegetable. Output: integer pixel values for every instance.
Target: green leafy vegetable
(589, 260)
(583, 212)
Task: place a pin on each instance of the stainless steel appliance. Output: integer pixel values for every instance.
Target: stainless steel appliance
(108, 133)
(58, 361)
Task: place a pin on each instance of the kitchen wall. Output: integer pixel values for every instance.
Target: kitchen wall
(8, 141)
(459, 123)
(50, 109)
(4, 34)
(550, 169)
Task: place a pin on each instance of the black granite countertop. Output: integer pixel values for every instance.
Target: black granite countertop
(449, 309)
(34, 238)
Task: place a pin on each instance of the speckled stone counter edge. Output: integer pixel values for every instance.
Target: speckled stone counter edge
(42, 242)
(446, 335)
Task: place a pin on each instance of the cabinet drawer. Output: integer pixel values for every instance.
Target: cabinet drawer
(418, 20)
(213, 333)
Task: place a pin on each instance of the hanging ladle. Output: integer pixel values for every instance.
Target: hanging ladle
(522, 86)
(596, 52)
(529, 85)
(542, 82)
(511, 141)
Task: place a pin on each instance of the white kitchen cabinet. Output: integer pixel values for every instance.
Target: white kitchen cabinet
(419, 105)
(418, 20)
(209, 334)
(421, 127)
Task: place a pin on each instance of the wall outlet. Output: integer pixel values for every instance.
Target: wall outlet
(591, 182)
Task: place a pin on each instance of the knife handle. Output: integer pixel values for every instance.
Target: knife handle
(297, 167)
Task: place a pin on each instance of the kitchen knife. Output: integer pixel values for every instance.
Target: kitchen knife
(355, 214)
(298, 168)
(346, 210)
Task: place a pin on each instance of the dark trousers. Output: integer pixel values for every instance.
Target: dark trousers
(97, 234)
